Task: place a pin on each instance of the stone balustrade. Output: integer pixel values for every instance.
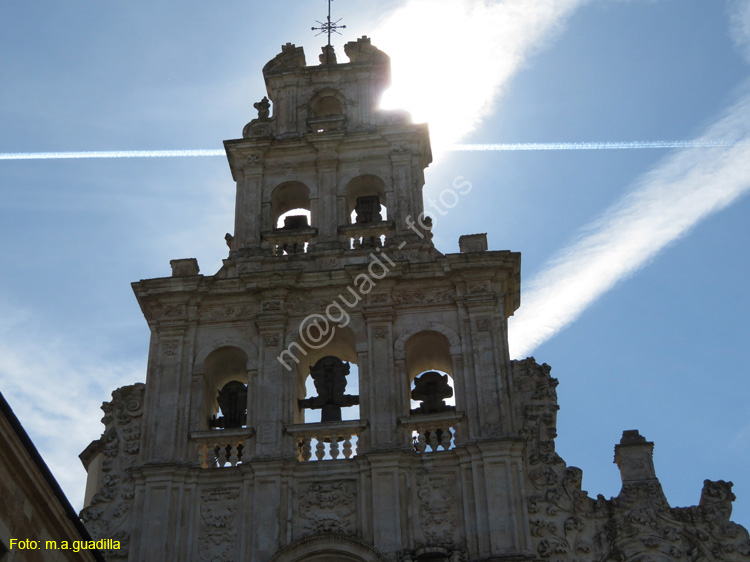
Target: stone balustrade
(329, 440)
(368, 235)
(430, 433)
(292, 241)
(219, 448)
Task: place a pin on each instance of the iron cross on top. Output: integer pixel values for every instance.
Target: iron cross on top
(328, 26)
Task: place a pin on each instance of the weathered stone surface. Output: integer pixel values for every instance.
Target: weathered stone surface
(476, 481)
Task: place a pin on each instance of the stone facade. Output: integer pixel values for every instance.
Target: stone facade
(351, 275)
(36, 521)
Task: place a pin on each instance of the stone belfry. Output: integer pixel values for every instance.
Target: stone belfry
(332, 275)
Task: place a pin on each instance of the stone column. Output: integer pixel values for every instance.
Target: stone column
(489, 374)
(403, 200)
(167, 396)
(387, 494)
(328, 220)
(269, 389)
(247, 224)
(380, 385)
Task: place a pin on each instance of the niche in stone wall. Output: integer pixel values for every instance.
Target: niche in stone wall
(291, 217)
(327, 406)
(329, 363)
(432, 395)
(366, 208)
(361, 202)
(225, 396)
(327, 112)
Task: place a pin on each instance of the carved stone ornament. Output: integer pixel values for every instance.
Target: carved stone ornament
(312, 545)
(271, 341)
(226, 313)
(380, 333)
(400, 146)
(264, 109)
(437, 509)
(411, 256)
(109, 514)
(328, 507)
(170, 348)
(271, 306)
(218, 534)
(423, 297)
(249, 267)
(478, 287)
(378, 298)
(291, 57)
(255, 130)
(169, 312)
(329, 264)
(636, 526)
(252, 160)
(302, 305)
(483, 324)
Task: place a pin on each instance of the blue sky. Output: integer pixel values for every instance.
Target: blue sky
(635, 261)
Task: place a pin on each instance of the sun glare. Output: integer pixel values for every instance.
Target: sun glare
(451, 58)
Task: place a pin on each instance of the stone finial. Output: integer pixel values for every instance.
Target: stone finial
(473, 243)
(184, 267)
(264, 109)
(328, 56)
(291, 57)
(362, 50)
(717, 496)
(634, 457)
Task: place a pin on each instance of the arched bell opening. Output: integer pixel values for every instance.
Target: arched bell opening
(432, 396)
(288, 196)
(294, 218)
(326, 111)
(365, 200)
(327, 106)
(366, 208)
(327, 406)
(331, 391)
(342, 347)
(225, 396)
(291, 218)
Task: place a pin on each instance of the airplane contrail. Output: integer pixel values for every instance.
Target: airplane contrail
(662, 206)
(531, 146)
(109, 154)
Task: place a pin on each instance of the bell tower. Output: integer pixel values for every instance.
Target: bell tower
(327, 150)
(432, 444)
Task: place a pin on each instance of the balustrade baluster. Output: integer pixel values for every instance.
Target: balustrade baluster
(421, 443)
(222, 455)
(347, 447)
(320, 449)
(334, 447)
(445, 438)
(306, 449)
(233, 456)
(433, 442)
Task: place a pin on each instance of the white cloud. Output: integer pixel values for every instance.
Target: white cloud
(451, 58)
(663, 206)
(56, 387)
(739, 25)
